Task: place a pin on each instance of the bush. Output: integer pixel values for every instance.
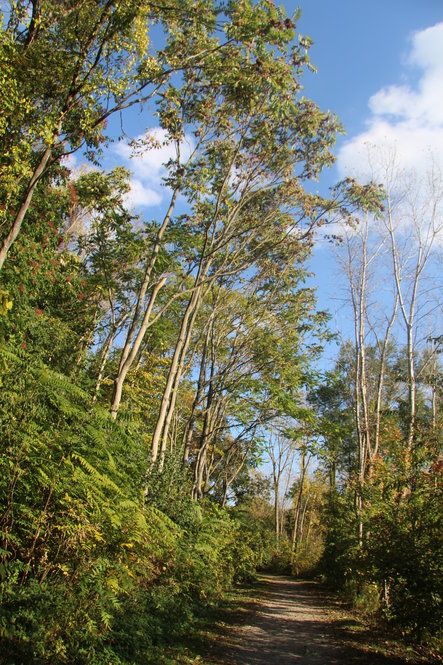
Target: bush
(406, 555)
(91, 573)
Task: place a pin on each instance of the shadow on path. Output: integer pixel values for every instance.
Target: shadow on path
(292, 622)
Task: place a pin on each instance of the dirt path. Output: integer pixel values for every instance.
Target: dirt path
(292, 622)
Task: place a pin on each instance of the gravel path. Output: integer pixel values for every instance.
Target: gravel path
(292, 623)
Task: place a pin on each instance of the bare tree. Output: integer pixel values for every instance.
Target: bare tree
(386, 262)
(360, 256)
(414, 223)
(280, 451)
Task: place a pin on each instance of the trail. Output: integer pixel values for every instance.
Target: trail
(292, 622)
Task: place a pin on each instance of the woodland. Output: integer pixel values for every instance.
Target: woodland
(166, 427)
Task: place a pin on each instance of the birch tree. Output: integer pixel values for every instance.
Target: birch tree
(414, 224)
(359, 258)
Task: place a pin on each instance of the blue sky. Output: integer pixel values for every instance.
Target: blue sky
(380, 69)
(360, 49)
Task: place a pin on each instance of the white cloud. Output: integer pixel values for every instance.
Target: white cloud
(76, 168)
(147, 167)
(70, 161)
(140, 195)
(403, 118)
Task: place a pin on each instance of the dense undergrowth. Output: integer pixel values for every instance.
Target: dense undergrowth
(97, 564)
(395, 574)
(107, 559)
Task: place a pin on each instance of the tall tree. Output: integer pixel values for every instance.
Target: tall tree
(414, 222)
(363, 248)
(69, 68)
(240, 181)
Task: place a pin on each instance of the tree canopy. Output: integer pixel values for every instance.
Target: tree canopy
(149, 365)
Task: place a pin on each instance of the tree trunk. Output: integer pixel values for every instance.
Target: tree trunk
(380, 382)
(191, 307)
(295, 528)
(24, 207)
(277, 515)
(176, 385)
(204, 441)
(126, 364)
(146, 281)
(104, 358)
(197, 398)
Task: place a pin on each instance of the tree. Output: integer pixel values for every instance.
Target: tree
(308, 529)
(363, 248)
(280, 451)
(250, 203)
(84, 63)
(253, 367)
(362, 548)
(414, 221)
(239, 181)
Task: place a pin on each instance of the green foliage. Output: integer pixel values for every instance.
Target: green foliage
(89, 570)
(99, 548)
(397, 571)
(72, 538)
(5, 302)
(309, 540)
(279, 561)
(405, 556)
(386, 553)
(340, 559)
(255, 513)
(52, 308)
(104, 556)
(169, 490)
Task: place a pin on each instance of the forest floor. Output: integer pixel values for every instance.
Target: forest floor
(283, 621)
